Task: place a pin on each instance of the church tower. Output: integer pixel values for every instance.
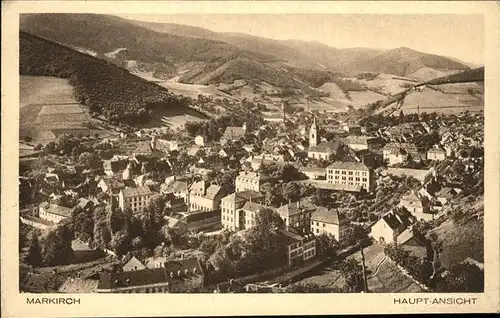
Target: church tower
(314, 134)
(283, 110)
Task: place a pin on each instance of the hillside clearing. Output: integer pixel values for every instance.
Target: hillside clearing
(363, 98)
(44, 90)
(460, 241)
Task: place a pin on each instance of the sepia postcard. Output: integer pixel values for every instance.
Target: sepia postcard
(249, 157)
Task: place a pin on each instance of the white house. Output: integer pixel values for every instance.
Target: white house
(199, 140)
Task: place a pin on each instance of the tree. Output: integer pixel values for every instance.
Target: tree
(57, 246)
(463, 278)
(458, 167)
(353, 274)
(326, 244)
(34, 255)
(116, 220)
(120, 243)
(290, 191)
(101, 233)
(90, 160)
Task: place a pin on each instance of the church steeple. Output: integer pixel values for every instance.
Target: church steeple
(283, 110)
(314, 134)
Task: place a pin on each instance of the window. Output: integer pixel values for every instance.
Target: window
(350, 173)
(324, 224)
(317, 230)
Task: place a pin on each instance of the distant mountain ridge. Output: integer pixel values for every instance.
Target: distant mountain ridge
(314, 52)
(200, 56)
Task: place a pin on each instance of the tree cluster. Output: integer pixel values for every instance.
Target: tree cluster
(261, 248)
(419, 268)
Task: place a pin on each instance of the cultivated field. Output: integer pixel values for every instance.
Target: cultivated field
(362, 98)
(44, 90)
(48, 109)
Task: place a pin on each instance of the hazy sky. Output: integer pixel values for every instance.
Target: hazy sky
(458, 36)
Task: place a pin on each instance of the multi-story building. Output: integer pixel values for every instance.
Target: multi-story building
(297, 215)
(362, 142)
(249, 212)
(173, 276)
(325, 150)
(300, 248)
(349, 173)
(436, 153)
(134, 198)
(248, 180)
(394, 153)
(204, 196)
(233, 134)
(329, 221)
(110, 185)
(232, 213)
(52, 212)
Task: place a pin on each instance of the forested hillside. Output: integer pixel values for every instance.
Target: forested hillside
(102, 86)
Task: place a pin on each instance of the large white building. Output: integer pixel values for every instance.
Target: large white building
(329, 221)
(238, 209)
(349, 173)
(134, 198)
(248, 180)
(204, 196)
(53, 213)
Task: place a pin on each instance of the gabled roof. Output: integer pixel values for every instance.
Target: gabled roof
(133, 264)
(234, 133)
(152, 261)
(289, 237)
(392, 221)
(56, 209)
(330, 216)
(296, 208)
(348, 166)
(411, 197)
(212, 191)
(113, 183)
(132, 278)
(327, 147)
(252, 207)
(137, 191)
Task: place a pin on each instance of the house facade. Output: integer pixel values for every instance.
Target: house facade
(436, 154)
(204, 196)
(362, 142)
(329, 221)
(297, 215)
(350, 173)
(231, 216)
(248, 180)
(53, 213)
(134, 198)
(174, 276)
(300, 247)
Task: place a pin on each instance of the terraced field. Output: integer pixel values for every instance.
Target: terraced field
(48, 109)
